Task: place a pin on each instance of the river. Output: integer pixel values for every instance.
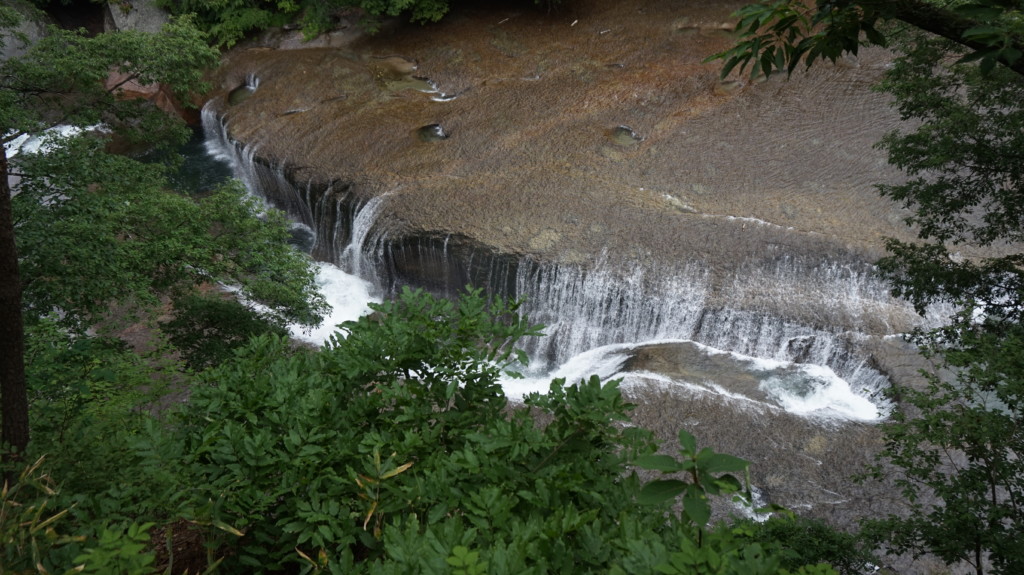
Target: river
(709, 242)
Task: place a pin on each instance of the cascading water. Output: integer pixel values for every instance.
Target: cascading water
(588, 309)
(585, 309)
(320, 212)
(614, 303)
(354, 257)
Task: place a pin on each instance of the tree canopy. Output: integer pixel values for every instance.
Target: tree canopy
(83, 229)
(777, 35)
(957, 80)
(958, 437)
(393, 449)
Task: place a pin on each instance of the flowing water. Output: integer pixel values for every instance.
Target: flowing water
(599, 315)
(707, 241)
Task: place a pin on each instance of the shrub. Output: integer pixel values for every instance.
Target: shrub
(207, 329)
(228, 21)
(808, 541)
(393, 450)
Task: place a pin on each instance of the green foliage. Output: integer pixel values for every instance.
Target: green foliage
(694, 559)
(73, 379)
(228, 21)
(35, 89)
(98, 229)
(777, 35)
(393, 450)
(31, 541)
(94, 229)
(700, 466)
(9, 18)
(962, 152)
(124, 550)
(966, 185)
(720, 549)
(207, 329)
(955, 441)
(70, 79)
(958, 448)
(362, 457)
(89, 398)
(811, 542)
(27, 524)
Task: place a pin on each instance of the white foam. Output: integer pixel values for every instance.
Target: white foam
(604, 362)
(33, 143)
(819, 392)
(704, 387)
(349, 297)
(808, 390)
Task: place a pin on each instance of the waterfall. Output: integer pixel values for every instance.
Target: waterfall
(588, 308)
(359, 257)
(786, 309)
(328, 209)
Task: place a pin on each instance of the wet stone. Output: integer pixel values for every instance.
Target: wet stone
(624, 136)
(392, 68)
(431, 133)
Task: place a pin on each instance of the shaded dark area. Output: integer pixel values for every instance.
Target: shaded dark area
(72, 15)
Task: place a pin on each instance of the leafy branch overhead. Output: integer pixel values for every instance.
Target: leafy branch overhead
(778, 35)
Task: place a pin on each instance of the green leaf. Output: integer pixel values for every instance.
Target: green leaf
(980, 11)
(688, 442)
(987, 65)
(722, 462)
(697, 508)
(400, 469)
(981, 33)
(660, 491)
(874, 36)
(727, 484)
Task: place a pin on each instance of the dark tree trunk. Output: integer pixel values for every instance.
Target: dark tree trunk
(13, 393)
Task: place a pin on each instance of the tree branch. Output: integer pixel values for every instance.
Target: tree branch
(129, 78)
(948, 24)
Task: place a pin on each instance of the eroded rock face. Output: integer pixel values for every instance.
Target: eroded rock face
(141, 15)
(32, 27)
(536, 110)
(530, 100)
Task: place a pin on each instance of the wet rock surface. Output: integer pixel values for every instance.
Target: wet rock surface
(592, 127)
(596, 132)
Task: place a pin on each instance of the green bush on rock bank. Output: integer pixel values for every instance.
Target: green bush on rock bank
(228, 21)
(394, 450)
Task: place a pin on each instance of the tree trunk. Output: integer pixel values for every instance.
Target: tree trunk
(13, 393)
